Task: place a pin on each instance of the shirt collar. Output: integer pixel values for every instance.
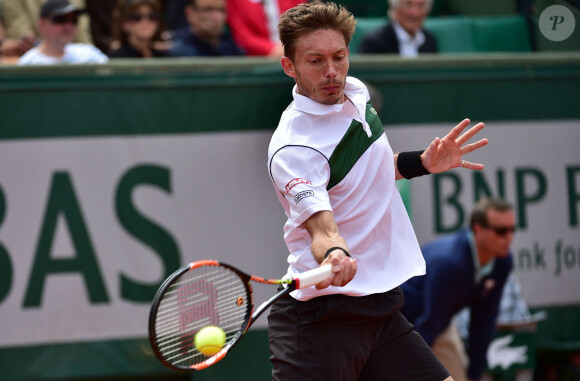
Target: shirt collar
(353, 89)
(479, 271)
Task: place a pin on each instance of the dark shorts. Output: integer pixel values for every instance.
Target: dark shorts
(344, 338)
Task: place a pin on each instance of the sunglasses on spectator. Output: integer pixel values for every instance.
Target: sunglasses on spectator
(63, 19)
(151, 16)
(500, 230)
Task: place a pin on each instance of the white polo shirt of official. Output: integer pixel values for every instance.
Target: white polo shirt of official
(367, 206)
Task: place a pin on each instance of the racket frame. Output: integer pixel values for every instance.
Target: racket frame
(251, 316)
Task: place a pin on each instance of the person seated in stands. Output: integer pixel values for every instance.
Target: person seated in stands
(20, 20)
(137, 26)
(58, 27)
(254, 24)
(10, 47)
(205, 34)
(404, 34)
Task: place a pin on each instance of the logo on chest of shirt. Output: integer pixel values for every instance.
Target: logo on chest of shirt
(303, 195)
(295, 182)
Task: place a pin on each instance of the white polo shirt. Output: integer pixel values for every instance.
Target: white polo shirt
(338, 158)
(73, 54)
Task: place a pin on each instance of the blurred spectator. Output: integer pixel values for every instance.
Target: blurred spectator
(58, 27)
(137, 25)
(205, 34)
(404, 33)
(101, 15)
(10, 47)
(21, 20)
(254, 24)
(468, 268)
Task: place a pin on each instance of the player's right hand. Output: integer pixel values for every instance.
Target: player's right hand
(343, 270)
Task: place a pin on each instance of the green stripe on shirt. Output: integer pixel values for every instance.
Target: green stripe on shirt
(353, 145)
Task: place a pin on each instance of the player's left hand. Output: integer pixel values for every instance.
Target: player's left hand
(444, 154)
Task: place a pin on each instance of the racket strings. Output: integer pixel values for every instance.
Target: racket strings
(174, 312)
(203, 296)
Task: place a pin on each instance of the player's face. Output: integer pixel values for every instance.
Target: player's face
(320, 66)
(498, 235)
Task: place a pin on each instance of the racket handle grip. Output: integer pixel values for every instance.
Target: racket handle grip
(312, 277)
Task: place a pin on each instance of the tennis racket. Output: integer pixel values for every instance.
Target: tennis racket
(210, 293)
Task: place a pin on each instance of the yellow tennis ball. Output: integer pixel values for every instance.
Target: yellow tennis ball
(210, 340)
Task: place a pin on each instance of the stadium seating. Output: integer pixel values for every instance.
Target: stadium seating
(379, 8)
(367, 8)
(454, 34)
(501, 34)
(363, 26)
(481, 8)
(464, 34)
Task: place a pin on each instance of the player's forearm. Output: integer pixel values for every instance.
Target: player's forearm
(321, 246)
(325, 235)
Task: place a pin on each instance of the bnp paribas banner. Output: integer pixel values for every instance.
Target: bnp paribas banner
(90, 227)
(536, 167)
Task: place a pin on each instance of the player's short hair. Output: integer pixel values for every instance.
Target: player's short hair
(479, 212)
(309, 17)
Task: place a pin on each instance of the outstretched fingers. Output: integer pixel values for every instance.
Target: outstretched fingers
(470, 133)
(465, 149)
(469, 165)
(473, 146)
(455, 131)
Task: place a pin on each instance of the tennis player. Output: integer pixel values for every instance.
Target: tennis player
(334, 173)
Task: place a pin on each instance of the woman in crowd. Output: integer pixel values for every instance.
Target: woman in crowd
(138, 27)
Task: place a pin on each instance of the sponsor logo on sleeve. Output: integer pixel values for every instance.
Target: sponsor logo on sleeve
(295, 182)
(303, 195)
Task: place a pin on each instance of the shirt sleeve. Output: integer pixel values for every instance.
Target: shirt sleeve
(300, 174)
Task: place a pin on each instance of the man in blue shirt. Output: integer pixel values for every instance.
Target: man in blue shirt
(205, 35)
(465, 269)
